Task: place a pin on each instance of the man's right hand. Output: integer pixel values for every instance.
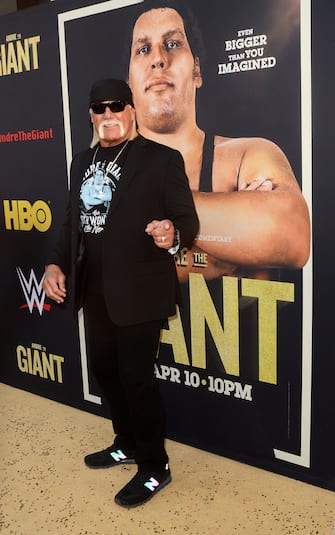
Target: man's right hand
(54, 283)
(258, 184)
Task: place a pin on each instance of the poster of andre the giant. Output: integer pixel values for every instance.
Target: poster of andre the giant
(229, 85)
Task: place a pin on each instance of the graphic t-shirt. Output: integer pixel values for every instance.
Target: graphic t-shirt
(99, 184)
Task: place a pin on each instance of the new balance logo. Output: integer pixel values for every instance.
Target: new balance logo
(151, 484)
(118, 455)
(33, 292)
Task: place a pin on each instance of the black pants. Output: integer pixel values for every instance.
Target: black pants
(122, 361)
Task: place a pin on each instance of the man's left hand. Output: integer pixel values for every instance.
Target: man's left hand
(162, 233)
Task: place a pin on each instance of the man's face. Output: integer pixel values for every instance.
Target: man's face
(113, 127)
(163, 74)
(99, 176)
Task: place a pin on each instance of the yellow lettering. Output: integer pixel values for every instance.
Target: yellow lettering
(30, 360)
(11, 59)
(11, 214)
(42, 216)
(268, 293)
(33, 42)
(175, 336)
(17, 55)
(37, 364)
(22, 359)
(58, 361)
(26, 220)
(23, 55)
(21, 215)
(3, 66)
(203, 311)
(48, 368)
(181, 257)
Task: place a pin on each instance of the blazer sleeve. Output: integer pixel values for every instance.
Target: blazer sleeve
(68, 249)
(61, 253)
(178, 200)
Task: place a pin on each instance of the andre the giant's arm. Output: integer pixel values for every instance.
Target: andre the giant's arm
(256, 229)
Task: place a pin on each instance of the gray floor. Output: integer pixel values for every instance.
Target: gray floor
(46, 489)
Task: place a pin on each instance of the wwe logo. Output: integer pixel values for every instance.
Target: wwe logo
(33, 292)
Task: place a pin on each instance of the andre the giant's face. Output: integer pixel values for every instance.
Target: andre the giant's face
(163, 74)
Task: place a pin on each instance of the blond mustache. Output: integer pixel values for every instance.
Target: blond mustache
(110, 123)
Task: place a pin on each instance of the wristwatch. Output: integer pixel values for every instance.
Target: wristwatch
(176, 242)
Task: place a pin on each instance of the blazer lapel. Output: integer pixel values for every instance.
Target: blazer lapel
(129, 168)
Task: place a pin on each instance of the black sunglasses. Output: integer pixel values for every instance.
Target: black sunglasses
(115, 106)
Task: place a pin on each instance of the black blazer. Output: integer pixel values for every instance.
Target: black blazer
(139, 278)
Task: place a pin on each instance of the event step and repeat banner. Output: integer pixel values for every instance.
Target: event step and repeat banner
(246, 365)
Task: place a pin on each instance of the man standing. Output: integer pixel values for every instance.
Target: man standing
(120, 253)
(253, 217)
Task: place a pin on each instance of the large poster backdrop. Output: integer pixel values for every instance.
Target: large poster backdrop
(240, 372)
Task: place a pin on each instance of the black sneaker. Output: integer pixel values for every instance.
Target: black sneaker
(111, 456)
(142, 487)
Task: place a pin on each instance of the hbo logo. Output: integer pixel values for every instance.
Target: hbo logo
(22, 215)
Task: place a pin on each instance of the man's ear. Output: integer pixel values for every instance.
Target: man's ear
(197, 72)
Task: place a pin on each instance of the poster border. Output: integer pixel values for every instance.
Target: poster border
(304, 458)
